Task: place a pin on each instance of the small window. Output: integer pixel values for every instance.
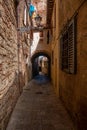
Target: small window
(41, 35)
(68, 48)
(48, 36)
(52, 57)
(25, 15)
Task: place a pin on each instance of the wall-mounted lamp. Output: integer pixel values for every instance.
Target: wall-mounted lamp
(38, 20)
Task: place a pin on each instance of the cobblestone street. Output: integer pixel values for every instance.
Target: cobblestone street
(38, 108)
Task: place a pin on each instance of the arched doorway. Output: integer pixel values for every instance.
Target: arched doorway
(41, 64)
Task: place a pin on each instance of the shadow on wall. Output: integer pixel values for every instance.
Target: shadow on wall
(82, 115)
(8, 101)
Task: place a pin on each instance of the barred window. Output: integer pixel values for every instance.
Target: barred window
(68, 48)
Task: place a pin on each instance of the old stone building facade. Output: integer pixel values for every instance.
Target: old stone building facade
(63, 41)
(14, 51)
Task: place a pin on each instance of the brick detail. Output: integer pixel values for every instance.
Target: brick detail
(10, 83)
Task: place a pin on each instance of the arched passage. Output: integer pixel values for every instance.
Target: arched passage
(35, 66)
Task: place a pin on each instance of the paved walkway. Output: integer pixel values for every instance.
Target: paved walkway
(39, 109)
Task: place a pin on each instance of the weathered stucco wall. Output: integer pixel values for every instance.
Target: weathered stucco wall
(55, 48)
(73, 90)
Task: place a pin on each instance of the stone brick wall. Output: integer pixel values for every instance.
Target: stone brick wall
(8, 61)
(73, 90)
(12, 59)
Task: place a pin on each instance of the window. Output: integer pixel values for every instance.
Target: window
(52, 57)
(41, 35)
(25, 16)
(48, 36)
(68, 48)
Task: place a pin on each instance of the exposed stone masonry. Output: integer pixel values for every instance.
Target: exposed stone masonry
(8, 60)
(10, 85)
(8, 44)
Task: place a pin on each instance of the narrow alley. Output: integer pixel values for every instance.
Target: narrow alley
(43, 64)
(39, 109)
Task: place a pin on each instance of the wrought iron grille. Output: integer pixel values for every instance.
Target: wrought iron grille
(68, 48)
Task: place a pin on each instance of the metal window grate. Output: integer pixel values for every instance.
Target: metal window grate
(68, 48)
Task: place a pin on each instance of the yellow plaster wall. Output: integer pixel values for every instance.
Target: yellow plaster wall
(55, 49)
(72, 88)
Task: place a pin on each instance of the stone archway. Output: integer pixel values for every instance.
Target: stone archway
(35, 64)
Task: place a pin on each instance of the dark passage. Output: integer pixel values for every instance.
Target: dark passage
(42, 79)
(40, 66)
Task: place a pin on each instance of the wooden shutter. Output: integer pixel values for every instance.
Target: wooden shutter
(72, 47)
(68, 48)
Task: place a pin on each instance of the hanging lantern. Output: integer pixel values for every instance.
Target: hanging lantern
(38, 20)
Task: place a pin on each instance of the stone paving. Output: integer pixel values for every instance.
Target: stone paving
(38, 108)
